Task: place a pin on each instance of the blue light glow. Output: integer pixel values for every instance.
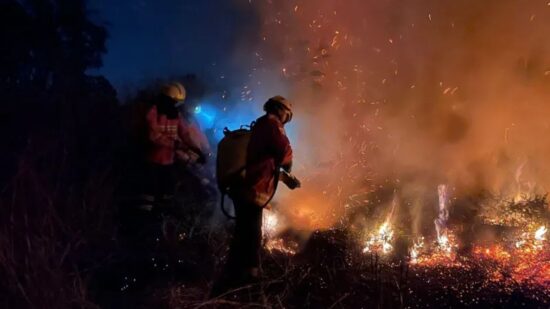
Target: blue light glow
(206, 115)
(216, 118)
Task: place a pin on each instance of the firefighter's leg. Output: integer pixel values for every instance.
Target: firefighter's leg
(164, 205)
(137, 220)
(243, 259)
(253, 268)
(146, 197)
(165, 187)
(238, 243)
(247, 241)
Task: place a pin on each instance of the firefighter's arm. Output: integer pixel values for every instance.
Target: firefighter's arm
(289, 180)
(187, 142)
(281, 148)
(283, 151)
(155, 134)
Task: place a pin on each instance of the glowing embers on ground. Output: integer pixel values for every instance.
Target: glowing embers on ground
(271, 228)
(526, 260)
(442, 252)
(532, 241)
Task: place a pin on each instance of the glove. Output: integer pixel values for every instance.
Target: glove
(288, 167)
(295, 183)
(289, 180)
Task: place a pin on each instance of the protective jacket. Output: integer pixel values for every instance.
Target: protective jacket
(165, 134)
(268, 149)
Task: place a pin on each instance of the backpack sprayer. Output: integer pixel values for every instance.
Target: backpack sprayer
(231, 164)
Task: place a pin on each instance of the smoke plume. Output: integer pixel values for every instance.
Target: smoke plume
(407, 94)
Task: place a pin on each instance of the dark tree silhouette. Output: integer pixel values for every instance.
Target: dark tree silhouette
(47, 44)
(47, 48)
(57, 132)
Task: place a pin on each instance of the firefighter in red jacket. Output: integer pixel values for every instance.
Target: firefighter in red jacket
(168, 135)
(268, 152)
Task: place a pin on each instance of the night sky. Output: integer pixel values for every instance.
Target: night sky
(151, 39)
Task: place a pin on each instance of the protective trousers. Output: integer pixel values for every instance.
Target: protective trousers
(245, 248)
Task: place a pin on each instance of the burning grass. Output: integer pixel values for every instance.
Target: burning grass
(509, 270)
(376, 271)
(380, 241)
(331, 269)
(517, 211)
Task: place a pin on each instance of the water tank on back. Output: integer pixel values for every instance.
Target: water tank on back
(232, 157)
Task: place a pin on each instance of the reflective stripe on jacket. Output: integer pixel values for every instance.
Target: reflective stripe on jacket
(163, 134)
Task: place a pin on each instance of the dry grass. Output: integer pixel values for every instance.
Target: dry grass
(48, 223)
